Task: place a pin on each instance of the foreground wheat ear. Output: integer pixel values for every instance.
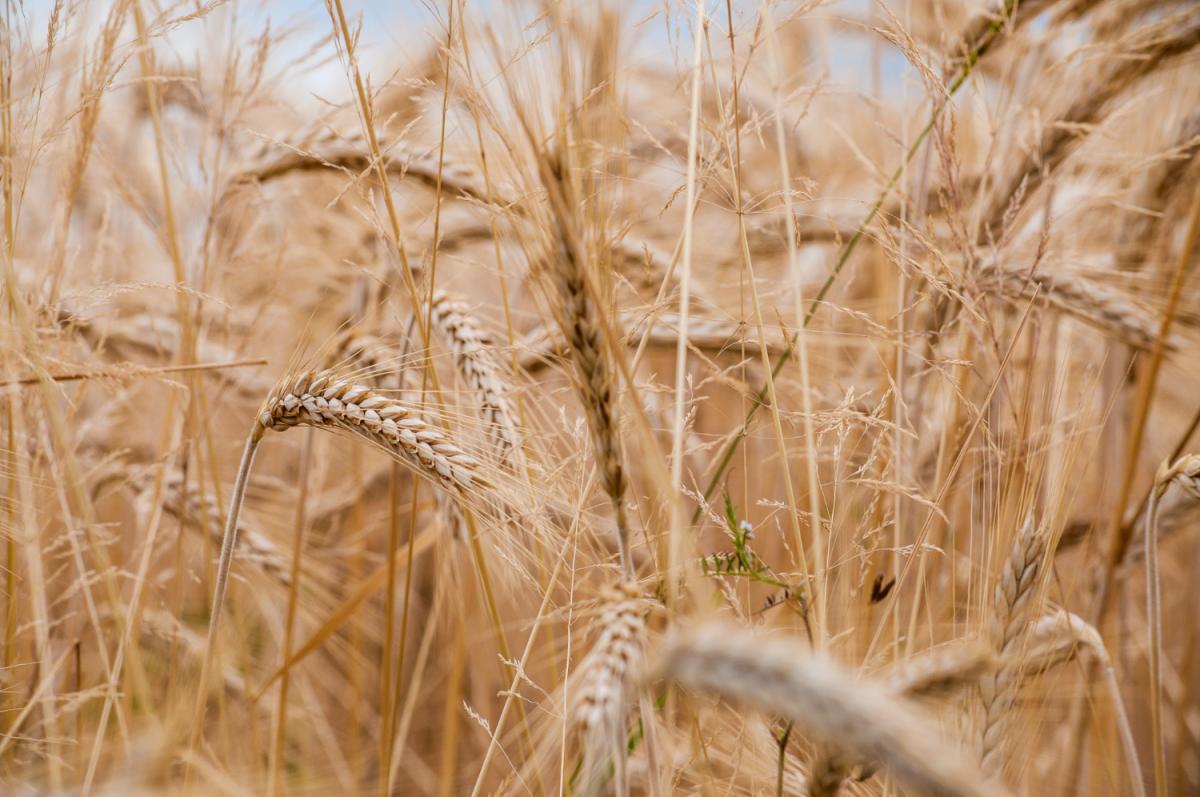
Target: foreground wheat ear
(609, 669)
(784, 678)
(323, 399)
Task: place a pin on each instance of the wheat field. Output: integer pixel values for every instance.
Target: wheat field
(594, 397)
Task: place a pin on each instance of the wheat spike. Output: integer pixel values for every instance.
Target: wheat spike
(604, 697)
(1146, 50)
(937, 673)
(1010, 603)
(473, 353)
(784, 678)
(322, 399)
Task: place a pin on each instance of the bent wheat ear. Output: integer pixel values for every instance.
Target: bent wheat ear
(941, 671)
(322, 399)
(937, 673)
(1184, 473)
(785, 678)
(1058, 637)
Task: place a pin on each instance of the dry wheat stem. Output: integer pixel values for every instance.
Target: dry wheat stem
(1185, 472)
(784, 678)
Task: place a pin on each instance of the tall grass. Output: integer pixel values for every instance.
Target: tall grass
(736, 398)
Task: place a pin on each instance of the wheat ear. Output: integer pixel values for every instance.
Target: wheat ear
(1142, 53)
(323, 399)
(1059, 637)
(942, 671)
(1014, 591)
(934, 674)
(324, 149)
(579, 318)
(785, 678)
(202, 513)
(473, 355)
(604, 697)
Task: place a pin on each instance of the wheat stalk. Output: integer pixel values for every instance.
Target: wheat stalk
(324, 400)
(1184, 472)
(784, 678)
